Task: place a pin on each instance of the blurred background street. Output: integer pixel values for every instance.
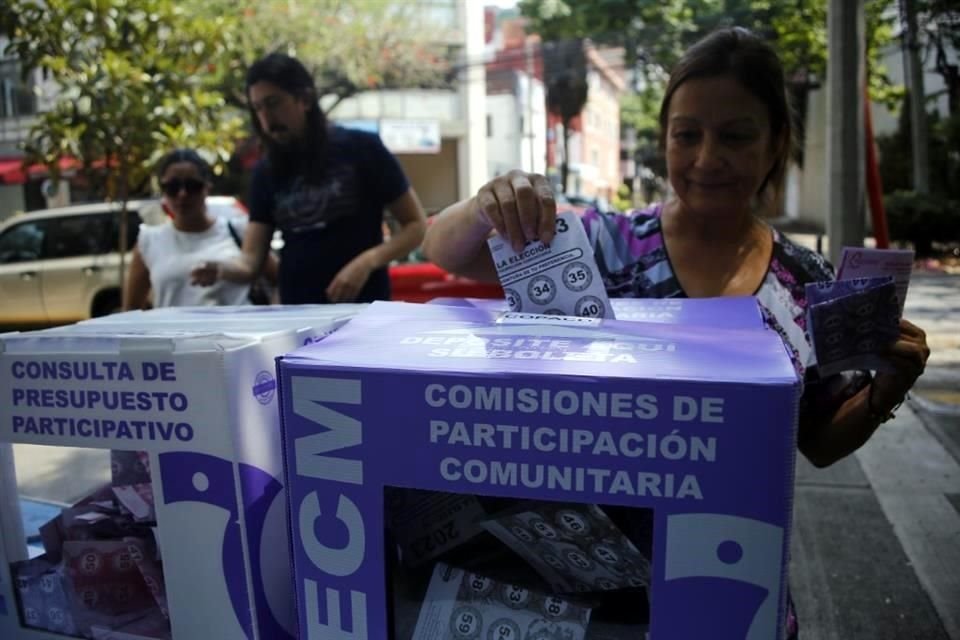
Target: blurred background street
(462, 91)
(877, 536)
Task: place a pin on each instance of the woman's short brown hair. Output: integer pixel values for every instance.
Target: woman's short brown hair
(749, 59)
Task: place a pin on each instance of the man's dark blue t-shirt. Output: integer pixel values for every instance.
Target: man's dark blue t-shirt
(328, 222)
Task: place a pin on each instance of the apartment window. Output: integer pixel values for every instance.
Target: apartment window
(439, 13)
(522, 127)
(489, 126)
(16, 98)
(6, 98)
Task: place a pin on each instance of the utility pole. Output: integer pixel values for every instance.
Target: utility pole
(918, 110)
(845, 141)
(528, 126)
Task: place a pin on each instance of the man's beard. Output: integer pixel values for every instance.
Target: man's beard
(280, 136)
(297, 153)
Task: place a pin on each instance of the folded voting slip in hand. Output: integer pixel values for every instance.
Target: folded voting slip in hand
(851, 322)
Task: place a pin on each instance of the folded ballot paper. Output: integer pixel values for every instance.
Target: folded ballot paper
(460, 605)
(859, 262)
(851, 322)
(575, 547)
(560, 279)
(853, 319)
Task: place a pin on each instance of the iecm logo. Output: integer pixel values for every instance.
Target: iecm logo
(326, 431)
(189, 477)
(746, 555)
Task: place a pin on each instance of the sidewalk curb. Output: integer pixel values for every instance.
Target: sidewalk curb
(933, 406)
(925, 410)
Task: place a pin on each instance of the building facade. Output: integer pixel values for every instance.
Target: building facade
(595, 169)
(19, 104)
(516, 122)
(516, 70)
(438, 135)
(516, 98)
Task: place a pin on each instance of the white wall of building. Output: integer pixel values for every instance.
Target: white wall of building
(517, 128)
(532, 102)
(595, 153)
(504, 139)
(11, 200)
(472, 150)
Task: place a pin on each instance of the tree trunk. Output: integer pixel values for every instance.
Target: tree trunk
(951, 77)
(918, 114)
(124, 224)
(565, 166)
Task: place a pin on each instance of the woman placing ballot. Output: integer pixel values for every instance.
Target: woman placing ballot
(727, 135)
(726, 131)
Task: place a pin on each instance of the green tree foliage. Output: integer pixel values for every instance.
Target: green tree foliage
(349, 46)
(922, 219)
(939, 22)
(896, 155)
(654, 33)
(133, 78)
(639, 111)
(565, 68)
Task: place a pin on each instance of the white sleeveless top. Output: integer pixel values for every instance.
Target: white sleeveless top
(170, 255)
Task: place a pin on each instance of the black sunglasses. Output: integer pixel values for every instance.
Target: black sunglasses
(173, 187)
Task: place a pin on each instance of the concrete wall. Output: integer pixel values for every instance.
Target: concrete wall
(595, 153)
(517, 130)
(434, 176)
(472, 150)
(11, 200)
(503, 134)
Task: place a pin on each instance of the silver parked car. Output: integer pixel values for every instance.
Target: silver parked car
(63, 265)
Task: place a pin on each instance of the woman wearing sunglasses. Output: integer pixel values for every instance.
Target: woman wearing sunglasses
(168, 256)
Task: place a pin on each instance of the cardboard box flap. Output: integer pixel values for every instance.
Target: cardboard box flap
(740, 312)
(464, 339)
(242, 312)
(65, 339)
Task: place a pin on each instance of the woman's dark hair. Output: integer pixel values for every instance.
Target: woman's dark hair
(290, 75)
(185, 155)
(738, 52)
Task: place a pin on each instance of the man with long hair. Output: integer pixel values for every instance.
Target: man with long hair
(326, 189)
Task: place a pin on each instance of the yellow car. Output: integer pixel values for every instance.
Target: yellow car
(63, 265)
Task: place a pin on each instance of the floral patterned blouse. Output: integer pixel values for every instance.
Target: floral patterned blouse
(634, 262)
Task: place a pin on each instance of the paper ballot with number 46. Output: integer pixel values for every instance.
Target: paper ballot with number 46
(559, 279)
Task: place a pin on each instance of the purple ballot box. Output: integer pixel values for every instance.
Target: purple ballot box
(548, 466)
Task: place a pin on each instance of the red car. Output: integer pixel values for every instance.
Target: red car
(418, 280)
(423, 281)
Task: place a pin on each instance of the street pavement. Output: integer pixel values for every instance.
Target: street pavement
(876, 546)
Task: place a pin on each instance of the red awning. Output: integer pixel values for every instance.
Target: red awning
(12, 172)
